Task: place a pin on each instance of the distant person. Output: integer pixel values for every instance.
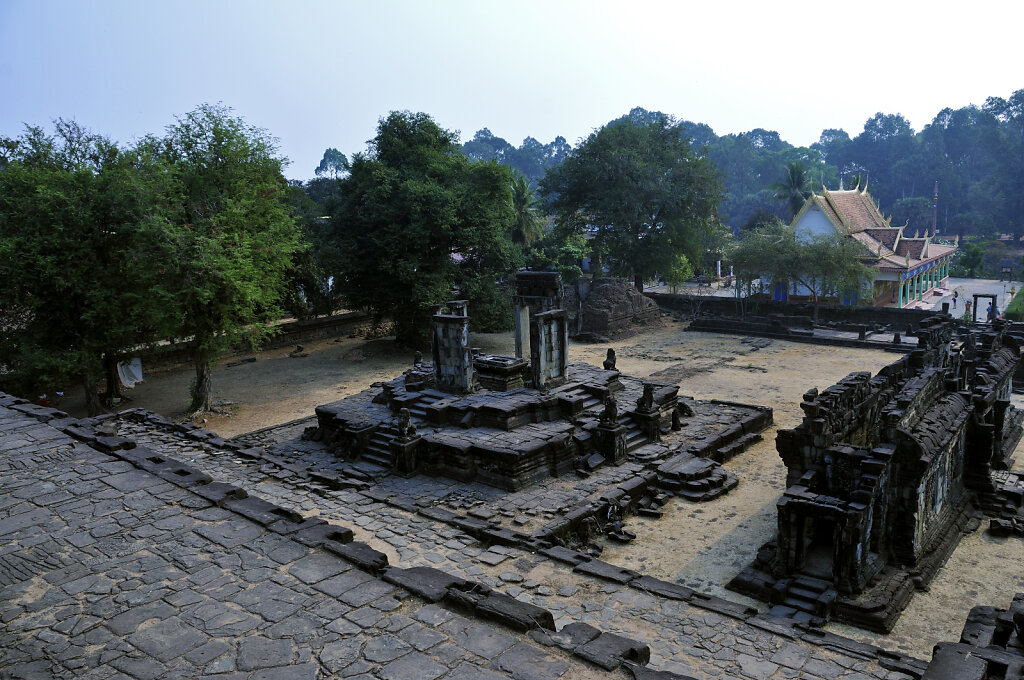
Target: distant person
(991, 313)
(955, 298)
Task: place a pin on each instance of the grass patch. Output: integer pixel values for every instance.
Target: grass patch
(1015, 310)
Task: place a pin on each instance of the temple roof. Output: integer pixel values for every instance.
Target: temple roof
(854, 213)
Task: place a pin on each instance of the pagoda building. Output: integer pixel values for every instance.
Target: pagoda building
(906, 268)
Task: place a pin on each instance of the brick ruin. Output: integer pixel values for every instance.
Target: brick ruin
(509, 422)
(609, 309)
(885, 473)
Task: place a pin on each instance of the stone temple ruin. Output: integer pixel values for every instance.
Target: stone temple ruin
(510, 422)
(884, 475)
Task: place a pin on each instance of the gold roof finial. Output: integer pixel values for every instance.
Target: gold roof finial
(917, 234)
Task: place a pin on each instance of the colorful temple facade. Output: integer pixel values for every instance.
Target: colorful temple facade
(907, 269)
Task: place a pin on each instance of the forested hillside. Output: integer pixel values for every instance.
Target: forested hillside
(975, 153)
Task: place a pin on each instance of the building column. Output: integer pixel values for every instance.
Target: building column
(901, 296)
(920, 292)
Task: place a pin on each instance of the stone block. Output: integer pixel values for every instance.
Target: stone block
(426, 582)
(260, 511)
(521, 616)
(603, 570)
(672, 591)
(563, 554)
(361, 555)
(183, 475)
(220, 492)
(608, 651)
(955, 662)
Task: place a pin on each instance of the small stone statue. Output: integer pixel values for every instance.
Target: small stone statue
(417, 358)
(406, 429)
(646, 400)
(609, 362)
(610, 415)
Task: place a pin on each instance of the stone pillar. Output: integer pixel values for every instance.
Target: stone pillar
(449, 343)
(549, 348)
(900, 304)
(521, 317)
(536, 292)
(611, 442)
(405, 455)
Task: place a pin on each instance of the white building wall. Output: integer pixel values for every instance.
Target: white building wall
(815, 222)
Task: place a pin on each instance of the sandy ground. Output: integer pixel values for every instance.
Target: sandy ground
(701, 545)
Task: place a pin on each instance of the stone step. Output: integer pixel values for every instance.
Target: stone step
(799, 604)
(812, 583)
(800, 593)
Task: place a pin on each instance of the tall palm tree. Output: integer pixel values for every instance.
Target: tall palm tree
(794, 188)
(529, 224)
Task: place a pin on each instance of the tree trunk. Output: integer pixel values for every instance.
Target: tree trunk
(638, 281)
(202, 395)
(92, 400)
(113, 381)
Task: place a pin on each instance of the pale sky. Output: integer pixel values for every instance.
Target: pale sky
(321, 74)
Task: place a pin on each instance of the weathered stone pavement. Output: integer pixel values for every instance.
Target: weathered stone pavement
(684, 638)
(108, 571)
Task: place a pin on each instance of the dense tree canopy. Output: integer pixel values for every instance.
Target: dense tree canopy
(827, 266)
(532, 159)
(416, 218)
(79, 218)
(231, 242)
(640, 192)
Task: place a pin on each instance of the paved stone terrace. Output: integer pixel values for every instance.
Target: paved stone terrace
(684, 638)
(107, 571)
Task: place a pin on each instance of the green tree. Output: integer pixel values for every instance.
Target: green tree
(333, 164)
(232, 240)
(641, 192)
(416, 218)
(794, 188)
(970, 261)
(826, 265)
(529, 222)
(79, 225)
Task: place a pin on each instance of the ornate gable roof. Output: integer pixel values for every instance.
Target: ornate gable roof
(853, 213)
(887, 237)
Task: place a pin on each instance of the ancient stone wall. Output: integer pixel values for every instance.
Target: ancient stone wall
(789, 312)
(882, 474)
(609, 309)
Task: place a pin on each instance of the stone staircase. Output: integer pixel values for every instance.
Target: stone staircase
(418, 406)
(803, 598)
(378, 450)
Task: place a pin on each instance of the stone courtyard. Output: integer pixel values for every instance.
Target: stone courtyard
(136, 547)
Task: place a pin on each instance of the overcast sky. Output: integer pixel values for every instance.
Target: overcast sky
(321, 74)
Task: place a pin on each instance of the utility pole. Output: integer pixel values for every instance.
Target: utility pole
(935, 211)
